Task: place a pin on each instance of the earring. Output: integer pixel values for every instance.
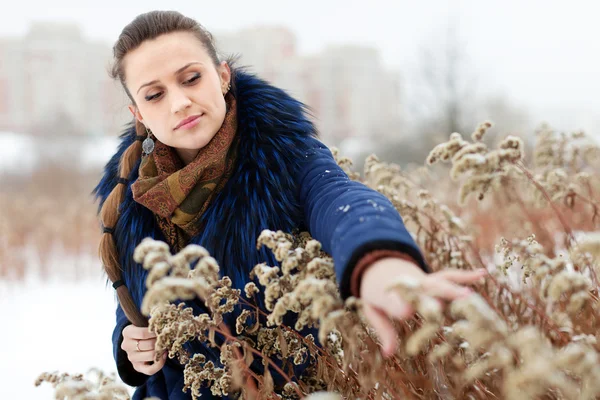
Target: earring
(148, 143)
(228, 89)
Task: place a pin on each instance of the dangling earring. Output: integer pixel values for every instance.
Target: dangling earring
(148, 143)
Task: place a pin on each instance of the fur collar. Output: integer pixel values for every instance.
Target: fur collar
(274, 134)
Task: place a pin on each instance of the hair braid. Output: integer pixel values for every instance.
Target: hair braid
(109, 215)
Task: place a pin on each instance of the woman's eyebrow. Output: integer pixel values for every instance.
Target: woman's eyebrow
(175, 73)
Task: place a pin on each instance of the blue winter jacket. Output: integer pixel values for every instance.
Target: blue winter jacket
(285, 179)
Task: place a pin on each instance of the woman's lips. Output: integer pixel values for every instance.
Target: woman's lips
(190, 122)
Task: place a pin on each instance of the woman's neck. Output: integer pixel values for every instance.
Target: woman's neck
(187, 155)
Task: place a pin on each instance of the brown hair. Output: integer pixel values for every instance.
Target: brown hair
(144, 27)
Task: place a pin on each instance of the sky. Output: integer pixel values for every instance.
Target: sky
(543, 56)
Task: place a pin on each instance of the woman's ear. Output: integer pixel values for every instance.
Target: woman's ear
(134, 111)
(225, 75)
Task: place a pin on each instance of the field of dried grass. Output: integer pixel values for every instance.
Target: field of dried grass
(530, 331)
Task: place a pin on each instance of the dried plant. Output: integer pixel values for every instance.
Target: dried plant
(49, 215)
(94, 386)
(530, 330)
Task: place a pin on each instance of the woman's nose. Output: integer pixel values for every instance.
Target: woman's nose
(179, 101)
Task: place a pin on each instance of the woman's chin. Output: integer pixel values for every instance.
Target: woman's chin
(197, 142)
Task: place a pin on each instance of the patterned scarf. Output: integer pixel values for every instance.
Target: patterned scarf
(179, 194)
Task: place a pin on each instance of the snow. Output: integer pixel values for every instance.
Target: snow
(20, 153)
(15, 150)
(479, 159)
(59, 324)
(356, 147)
(98, 151)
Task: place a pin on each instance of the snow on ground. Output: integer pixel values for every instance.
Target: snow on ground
(60, 324)
(97, 151)
(20, 153)
(15, 151)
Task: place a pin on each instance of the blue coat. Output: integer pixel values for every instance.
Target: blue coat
(286, 179)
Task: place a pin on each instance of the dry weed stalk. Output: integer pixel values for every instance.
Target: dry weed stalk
(48, 212)
(530, 331)
(95, 386)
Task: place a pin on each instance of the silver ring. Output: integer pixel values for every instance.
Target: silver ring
(137, 345)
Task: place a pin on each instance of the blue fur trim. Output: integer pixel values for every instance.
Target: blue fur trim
(261, 194)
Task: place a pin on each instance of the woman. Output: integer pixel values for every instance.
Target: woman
(216, 156)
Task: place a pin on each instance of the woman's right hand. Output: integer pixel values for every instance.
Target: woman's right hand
(380, 305)
(139, 344)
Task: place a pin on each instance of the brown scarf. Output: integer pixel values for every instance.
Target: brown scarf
(179, 194)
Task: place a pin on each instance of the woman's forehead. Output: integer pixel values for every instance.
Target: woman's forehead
(163, 56)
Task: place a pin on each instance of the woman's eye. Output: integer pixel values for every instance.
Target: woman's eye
(152, 97)
(192, 79)
(189, 81)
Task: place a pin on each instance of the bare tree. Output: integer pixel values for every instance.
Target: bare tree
(438, 99)
(443, 96)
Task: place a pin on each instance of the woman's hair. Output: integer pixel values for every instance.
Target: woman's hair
(144, 27)
(150, 26)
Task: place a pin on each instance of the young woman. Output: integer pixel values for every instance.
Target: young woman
(215, 156)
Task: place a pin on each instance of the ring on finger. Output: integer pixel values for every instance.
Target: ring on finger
(137, 345)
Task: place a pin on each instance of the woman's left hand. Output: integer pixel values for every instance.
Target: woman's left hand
(379, 304)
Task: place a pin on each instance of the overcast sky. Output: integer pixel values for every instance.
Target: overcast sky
(544, 55)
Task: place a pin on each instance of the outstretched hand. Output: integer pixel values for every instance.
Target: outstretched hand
(379, 304)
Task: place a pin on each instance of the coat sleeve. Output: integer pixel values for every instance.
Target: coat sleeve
(124, 367)
(347, 217)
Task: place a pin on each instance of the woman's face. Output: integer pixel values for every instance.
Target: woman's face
(173, 80)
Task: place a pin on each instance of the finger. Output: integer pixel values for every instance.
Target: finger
(131, 345)
(128, 344)
(145, 368)
(395, 307)
(141, 356)
(141, 367)
(383, 327)
(150, 369)
(432, 286)
(135, 332)
(462, 276)
(145, 345)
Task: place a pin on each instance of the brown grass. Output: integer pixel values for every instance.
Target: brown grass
(529, 332)
(50, 209)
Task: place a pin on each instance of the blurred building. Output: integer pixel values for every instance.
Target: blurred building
(55, 81)
(347, 88)
(265, 49)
